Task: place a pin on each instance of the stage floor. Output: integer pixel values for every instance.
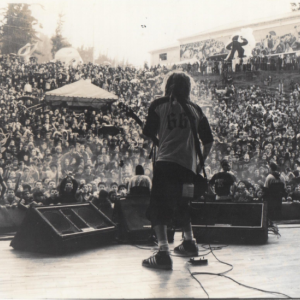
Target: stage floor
(116, 272)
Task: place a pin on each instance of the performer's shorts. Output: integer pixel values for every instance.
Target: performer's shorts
(166, 202)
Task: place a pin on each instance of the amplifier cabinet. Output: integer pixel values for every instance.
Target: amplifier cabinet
(230, 222)
(130, 213)
(133, 225)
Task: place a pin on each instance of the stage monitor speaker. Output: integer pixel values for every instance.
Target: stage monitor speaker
(230, 222)
(133, 226)
(130, 214)
(61, 228)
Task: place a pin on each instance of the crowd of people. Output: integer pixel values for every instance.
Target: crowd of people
(216, 65)
(44, 147)
(41, 145)
(253, 129)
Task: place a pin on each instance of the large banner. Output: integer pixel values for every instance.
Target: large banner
(277, 40)
(202, 49)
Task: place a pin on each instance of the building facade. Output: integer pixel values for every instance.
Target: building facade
(273, 36)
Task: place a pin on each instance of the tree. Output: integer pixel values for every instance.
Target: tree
(44, 47)
(87, 54)
(17, 29)
(58, 41)
(104, 57)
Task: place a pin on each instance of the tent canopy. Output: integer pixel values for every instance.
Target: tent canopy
(80, 93)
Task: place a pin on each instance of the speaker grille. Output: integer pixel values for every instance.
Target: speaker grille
(59, 222)
(92, 217)
(70, 214)
(235, 215)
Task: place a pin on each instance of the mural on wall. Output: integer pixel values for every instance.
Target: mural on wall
(203, 49)
(276, 44)
(278, 40)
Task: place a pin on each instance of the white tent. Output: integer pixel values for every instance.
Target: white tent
(80, 93)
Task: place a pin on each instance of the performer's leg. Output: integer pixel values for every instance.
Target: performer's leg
(162, 238)
(187, 232)
(160, 212)
(189, 246)
(162, 259)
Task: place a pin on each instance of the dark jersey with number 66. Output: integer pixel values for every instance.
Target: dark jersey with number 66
(171, 124)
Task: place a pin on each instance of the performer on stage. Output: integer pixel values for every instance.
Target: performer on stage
(175, 165)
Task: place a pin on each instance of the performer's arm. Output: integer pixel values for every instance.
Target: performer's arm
(206, 150)
(152, 124)
(206, 136)
(244, 43)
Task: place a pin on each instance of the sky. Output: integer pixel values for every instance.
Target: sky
(129, 29)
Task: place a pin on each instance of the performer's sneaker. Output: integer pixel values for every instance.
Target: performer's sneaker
(161, 260)
(187, 248)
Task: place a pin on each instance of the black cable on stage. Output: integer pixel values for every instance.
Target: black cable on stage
(222, 262)
(273, 230)
(222, 274)
(145, 248)
(193, 274)
(241, 284)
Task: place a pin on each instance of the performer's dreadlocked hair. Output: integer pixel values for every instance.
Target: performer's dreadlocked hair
(178, 86)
